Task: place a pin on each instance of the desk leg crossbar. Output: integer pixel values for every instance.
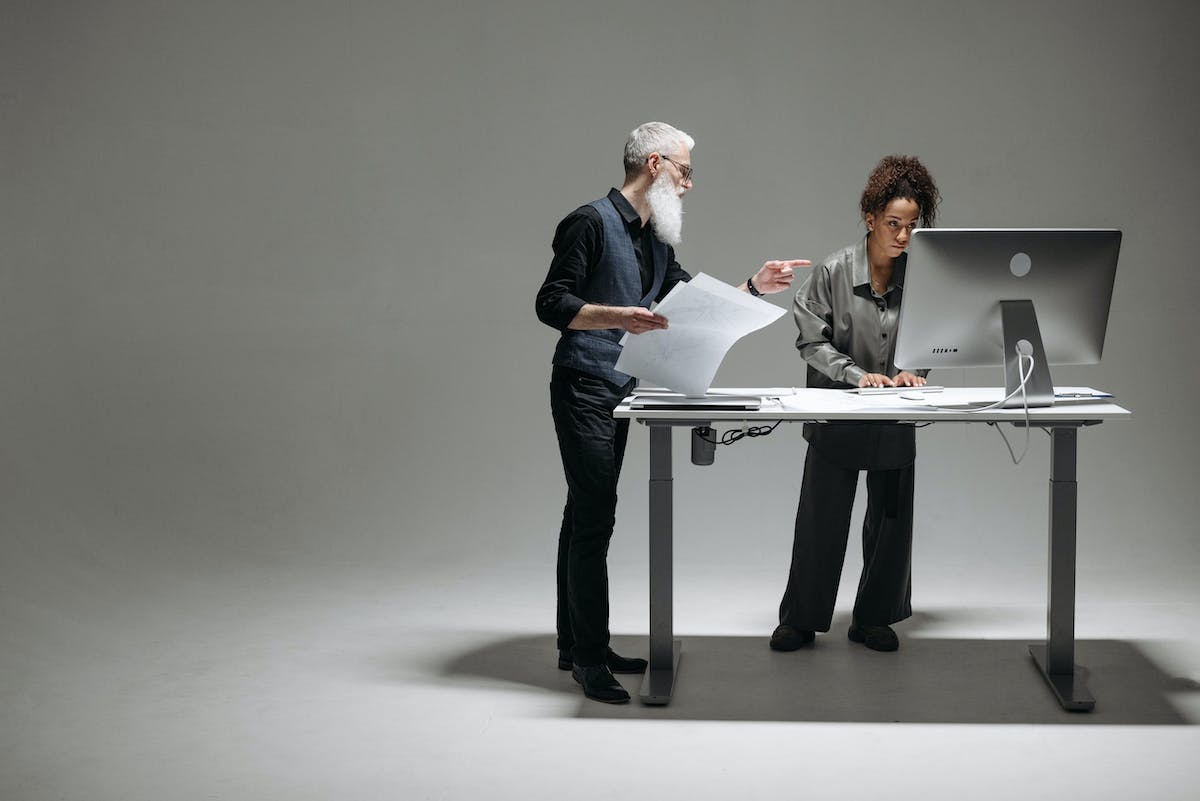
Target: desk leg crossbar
(1056, 659)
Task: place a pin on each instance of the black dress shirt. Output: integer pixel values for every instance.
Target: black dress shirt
(578, 246)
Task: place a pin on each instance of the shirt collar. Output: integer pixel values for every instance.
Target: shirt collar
(861, 270)
(624, 207)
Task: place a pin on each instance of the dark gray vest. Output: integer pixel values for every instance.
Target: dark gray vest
(616, 281)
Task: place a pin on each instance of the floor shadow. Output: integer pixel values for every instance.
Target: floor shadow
(930, 680)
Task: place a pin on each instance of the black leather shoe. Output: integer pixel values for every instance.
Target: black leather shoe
(877, 638)
(616, 663)
(624, 664)
(598, 684)
(789, 638)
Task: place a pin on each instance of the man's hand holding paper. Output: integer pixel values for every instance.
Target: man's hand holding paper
(637, 320)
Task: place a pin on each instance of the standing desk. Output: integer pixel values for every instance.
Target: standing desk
(1055, 658)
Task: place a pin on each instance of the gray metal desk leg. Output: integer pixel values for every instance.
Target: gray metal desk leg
(1056, 659)
(659, 681)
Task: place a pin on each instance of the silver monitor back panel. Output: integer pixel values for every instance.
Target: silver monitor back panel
(956, 278)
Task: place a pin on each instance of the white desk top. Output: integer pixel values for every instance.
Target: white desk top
(791, 403)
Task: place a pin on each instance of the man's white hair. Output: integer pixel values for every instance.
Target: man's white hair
(652, 137)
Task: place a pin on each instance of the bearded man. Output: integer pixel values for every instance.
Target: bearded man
(612, 259)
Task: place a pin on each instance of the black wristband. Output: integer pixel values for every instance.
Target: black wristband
(753, 289)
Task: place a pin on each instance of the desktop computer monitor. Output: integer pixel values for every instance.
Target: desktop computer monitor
(984, 297)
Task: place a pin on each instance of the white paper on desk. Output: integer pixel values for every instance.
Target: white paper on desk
(838, 400)
(705, 318)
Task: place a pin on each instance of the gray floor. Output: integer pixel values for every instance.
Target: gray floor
(254, 677)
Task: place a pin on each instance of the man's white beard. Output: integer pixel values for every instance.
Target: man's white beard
(666, 209)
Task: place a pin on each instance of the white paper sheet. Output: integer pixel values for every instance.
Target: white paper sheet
(833, 400)
(705, 317)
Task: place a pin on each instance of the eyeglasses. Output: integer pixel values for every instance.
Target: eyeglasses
(685, 170)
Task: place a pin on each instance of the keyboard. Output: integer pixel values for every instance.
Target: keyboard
(895, 390)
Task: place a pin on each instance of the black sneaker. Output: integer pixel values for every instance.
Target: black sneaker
(789, 638)
(598, 684)
(616, 663)
(877, 638)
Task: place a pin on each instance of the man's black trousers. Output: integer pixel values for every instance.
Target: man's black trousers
(592, 446)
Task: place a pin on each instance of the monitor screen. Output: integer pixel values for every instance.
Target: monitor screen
(1050, 288)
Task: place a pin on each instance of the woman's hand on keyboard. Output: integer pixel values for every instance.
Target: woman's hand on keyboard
(906, 379)
(877, 380)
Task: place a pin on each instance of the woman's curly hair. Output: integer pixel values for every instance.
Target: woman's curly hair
(901, 177)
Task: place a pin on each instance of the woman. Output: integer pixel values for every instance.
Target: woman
(847, 313)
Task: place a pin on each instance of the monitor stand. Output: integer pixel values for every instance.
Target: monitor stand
(1019, 323)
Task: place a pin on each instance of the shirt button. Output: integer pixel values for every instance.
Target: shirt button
(885, 336)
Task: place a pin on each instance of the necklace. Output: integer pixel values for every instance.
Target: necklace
(879, 283)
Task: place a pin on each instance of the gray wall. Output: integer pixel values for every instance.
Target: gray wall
(267, 269)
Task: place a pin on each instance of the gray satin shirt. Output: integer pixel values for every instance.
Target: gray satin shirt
(846, 329)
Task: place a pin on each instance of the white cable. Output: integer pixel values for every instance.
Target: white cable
(1024, 402)
(1024, 380)
(1025, 376)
